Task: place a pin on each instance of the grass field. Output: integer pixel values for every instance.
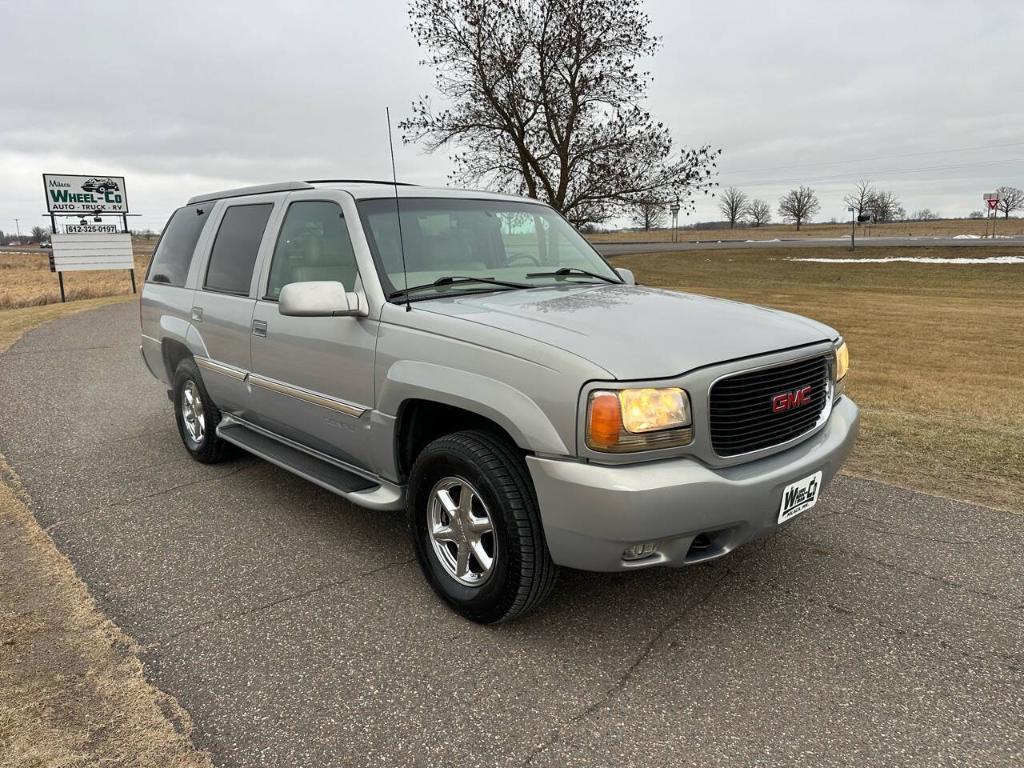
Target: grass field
(942, 228)
(936, 354)
(936, 349)
(26, 280)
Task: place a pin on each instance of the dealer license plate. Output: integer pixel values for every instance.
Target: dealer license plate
(799, 497)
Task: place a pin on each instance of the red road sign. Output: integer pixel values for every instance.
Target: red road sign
(992, 204)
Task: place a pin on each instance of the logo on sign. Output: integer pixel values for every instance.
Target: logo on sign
(787, 401)
(84, 194)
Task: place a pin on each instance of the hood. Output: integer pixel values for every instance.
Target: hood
(636, 332)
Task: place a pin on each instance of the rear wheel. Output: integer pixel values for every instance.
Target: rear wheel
(196, 415)
(476, 528)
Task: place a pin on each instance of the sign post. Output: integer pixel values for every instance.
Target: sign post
(992, 200)
(88, 245)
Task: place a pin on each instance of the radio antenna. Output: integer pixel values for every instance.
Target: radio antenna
(398, 212)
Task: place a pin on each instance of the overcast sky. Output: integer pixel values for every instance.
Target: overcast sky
(922, 97)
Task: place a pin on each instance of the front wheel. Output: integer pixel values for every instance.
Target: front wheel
(476, 528)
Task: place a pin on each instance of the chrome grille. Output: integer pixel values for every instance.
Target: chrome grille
(743, 413)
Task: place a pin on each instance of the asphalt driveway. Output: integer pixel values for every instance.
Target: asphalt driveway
(883, 627)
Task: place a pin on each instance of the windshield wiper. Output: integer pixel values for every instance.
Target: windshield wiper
(458, 280)
(572, 272)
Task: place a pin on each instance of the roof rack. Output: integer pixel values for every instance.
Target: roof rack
(360, 181)
(259, 189)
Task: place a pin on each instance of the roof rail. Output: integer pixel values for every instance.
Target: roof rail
(259, 189)
(360, 181)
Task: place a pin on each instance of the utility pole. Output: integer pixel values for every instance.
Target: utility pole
(17, 226)
(853, 229)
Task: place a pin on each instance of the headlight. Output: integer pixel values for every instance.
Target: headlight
(842, 361)
(626, 420)
(842, 367)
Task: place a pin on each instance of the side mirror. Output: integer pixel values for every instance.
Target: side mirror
(627, 275)
(318, 298)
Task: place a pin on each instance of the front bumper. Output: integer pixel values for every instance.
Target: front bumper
(592, 512)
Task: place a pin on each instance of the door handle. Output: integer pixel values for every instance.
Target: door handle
(197, 314)
(259, 328)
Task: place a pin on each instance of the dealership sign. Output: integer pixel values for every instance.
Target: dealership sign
(85, 194)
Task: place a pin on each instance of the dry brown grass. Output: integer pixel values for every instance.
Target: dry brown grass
(26, 280)
(72, 689)
(943, 228)
(936, 355)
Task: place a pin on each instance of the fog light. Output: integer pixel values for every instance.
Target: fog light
(639, 551)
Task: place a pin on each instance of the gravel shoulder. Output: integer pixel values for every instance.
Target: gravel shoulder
(72, 688)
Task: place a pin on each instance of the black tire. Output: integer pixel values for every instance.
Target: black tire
(522, 575)
(209, 449)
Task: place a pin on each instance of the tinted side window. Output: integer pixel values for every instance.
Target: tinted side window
(174, 251)
(313, 245)
(234, 250)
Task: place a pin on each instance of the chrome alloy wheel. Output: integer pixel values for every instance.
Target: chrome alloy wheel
(192, 415)
(461, 531)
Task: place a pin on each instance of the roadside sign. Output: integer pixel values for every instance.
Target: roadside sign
(993, 203)
(76, 253)
(991, 196)
(85, 194)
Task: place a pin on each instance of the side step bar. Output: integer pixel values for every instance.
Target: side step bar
(360, 490)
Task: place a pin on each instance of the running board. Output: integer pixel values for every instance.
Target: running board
(360, 490)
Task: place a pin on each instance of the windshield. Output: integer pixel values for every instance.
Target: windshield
(510, 242)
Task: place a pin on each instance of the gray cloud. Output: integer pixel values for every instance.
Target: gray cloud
(185, 97)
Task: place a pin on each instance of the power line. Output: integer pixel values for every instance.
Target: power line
(880, 157)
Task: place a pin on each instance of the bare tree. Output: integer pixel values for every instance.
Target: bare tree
(860, 200)
(799, 206)
(759, 212)
(925, 214)
(885, 207)
(544, 98)
(732, 202)
(1010, 199)
(649, 213)
(39, 234)
(976, 215)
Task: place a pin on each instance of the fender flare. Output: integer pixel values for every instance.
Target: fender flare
(506, 406)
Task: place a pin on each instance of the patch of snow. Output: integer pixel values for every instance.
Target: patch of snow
(919, 260)
(967, 237)
(773, 240)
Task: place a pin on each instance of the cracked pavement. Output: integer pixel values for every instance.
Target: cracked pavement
(882, 627)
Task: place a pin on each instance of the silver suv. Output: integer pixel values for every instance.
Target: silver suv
(470, 358)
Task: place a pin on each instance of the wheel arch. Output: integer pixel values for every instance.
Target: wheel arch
(431, 400)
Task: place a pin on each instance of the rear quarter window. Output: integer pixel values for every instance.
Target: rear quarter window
(173, 254)
(236, 247)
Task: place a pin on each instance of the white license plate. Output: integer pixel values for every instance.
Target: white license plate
(799, 497)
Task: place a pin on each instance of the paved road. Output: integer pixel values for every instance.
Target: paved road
(622, 249)
(883, 628)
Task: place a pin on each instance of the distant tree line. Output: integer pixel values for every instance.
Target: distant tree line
(799, 206)
(35, 235)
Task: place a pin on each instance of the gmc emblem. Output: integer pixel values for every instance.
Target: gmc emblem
(787, 401)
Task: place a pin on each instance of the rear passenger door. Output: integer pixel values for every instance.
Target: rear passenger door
(312, 377)
(223, 305)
